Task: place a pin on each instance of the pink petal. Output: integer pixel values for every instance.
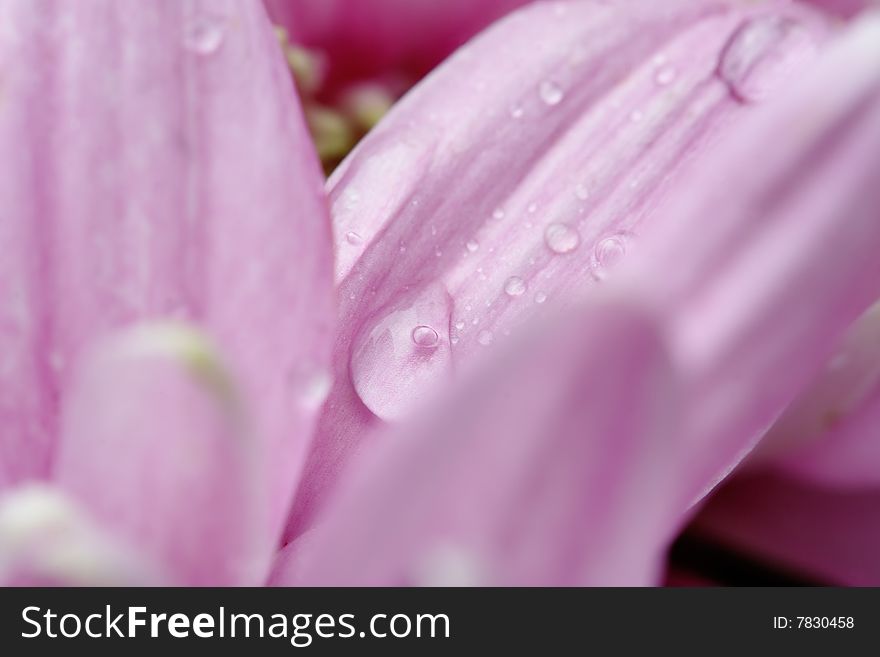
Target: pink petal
(367, 38)
(519, 172)
(757, 300)
(830, 536)
(158, 446)
(551, 467)
(47, 540)
(845, 8)
(829, 434)
(155, 164)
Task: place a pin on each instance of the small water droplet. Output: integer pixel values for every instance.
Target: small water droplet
(561, 238)
(459, 324)
(540, 297)
(761, 54)
(204, 34)
(665, 75)
(517, 111)
(353, 238)
(550, 92)
(498, 214)
(607, 254)
(433, 231)
(425, 336)
(485, 337)
(515, 286)
(582, 192)
(533, 208)
(472, 245)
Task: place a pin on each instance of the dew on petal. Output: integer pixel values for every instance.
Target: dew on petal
(517, 111)
(485, 337)
(498, 214)
(533, 208)
(472, 245)
(761, 53)
(550, 92)
(582, 192)
(204, 34)
(425, 336)
(561, 238)
(540, 297)
(353, 238)
(402, 352)
(607, 254)
(515, 286)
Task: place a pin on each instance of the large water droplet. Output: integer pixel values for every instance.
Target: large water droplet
(425, 336)
(550, 92)
(403, 353)
(607, 255)
(204, 34)
(762, 53)
(561, 238)
(515, 286)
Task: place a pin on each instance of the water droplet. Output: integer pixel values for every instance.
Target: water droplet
(498, 214)
(459, 324)
(761, 54)
(517, 111)
(403, 353)
(582, 192)
(485, 337)
(353, 238)
(665, 75)
(204, 34)
(561, 238)
(540, 297)
(472, 245)
(550, 92)
(425, 336)
(607, 254)
(533, 208)
(515, 286)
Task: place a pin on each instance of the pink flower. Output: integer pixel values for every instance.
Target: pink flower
(578, 275)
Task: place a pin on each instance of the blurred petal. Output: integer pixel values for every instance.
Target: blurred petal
(156, 445)
(366, 38)
(831, 433)
(757, 301)
(521, 171)
(155, 163)
(845, 8)
(830, 536)
(552, 467)
(46, 540)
